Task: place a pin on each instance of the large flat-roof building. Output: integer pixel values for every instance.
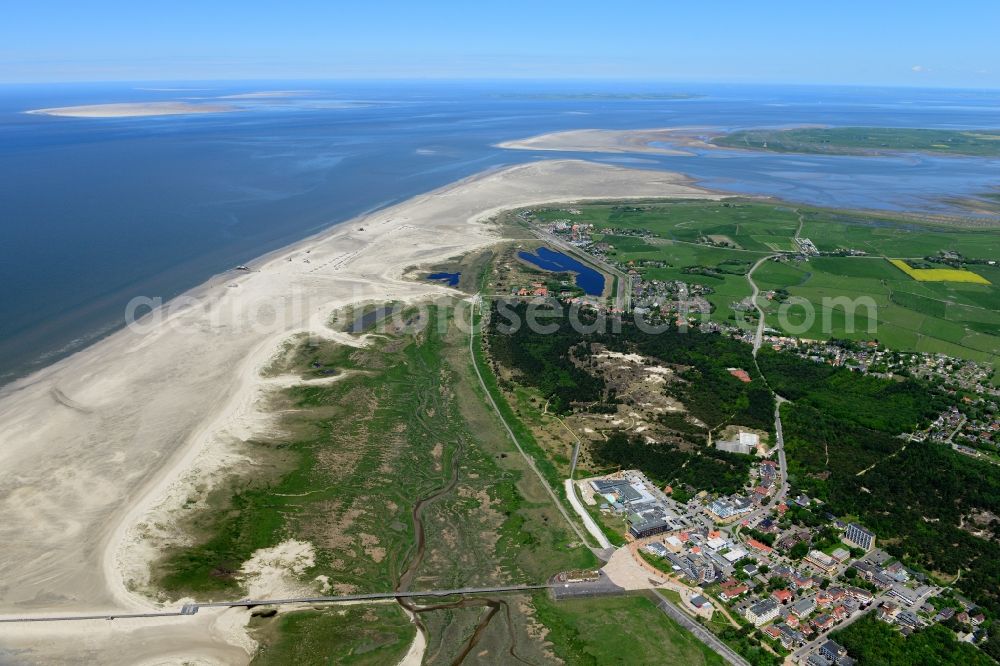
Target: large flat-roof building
(859, 536)
(821, 561)
(650, 524)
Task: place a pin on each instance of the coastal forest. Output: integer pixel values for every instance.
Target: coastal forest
(845, 438)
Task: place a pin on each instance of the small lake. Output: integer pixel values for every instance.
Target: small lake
(591, 281)
(451, 279)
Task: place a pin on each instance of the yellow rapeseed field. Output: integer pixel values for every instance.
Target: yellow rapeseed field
(938, 274)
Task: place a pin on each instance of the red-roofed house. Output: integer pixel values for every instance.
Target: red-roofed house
(740, 374)
(782, 596)
(731, 589)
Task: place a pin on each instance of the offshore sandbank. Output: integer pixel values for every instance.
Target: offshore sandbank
(666, 141)
(132, 110)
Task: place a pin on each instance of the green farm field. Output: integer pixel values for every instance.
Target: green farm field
(685, 240)
(866, 140)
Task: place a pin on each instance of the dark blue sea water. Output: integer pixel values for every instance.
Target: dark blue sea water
(591, 281)
(96, 211)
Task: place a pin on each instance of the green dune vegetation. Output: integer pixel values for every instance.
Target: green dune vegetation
(401, 477)
(865, 140)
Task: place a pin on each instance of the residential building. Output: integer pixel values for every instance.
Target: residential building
(832, 650)
(731, 589)
(859, 536)
(822, 622)
(800, 582)
(759, 547)
(762, 612)
(782, 596)
(817, 659)
(861, 594)
(790, 638)
(804, 607)
(887, 612)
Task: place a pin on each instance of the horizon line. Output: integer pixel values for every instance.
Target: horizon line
(505, 80)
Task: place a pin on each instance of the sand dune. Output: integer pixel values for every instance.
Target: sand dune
(98, 443)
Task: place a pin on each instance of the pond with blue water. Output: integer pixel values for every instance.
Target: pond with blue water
(588, 279)
(451, 279)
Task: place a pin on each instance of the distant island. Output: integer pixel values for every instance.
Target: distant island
(599, 95)
(865, 141)
(132, 110)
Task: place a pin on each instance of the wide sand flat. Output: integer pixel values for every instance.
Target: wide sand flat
(657, 141)
(133, 110)
(92, 446)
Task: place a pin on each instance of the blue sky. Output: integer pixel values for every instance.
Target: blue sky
(913, 43)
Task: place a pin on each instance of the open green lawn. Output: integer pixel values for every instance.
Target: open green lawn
(866, 140)
(618, 630)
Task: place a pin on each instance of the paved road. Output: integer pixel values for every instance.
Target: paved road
(576, 455)
(588, 521)
(758, 337)
(602, 587)
(803, 652)
(779, 439)
(700, 632)
(782, 492)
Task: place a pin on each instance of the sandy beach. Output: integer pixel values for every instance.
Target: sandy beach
(670, 141)
(97, 448)
(133, 110)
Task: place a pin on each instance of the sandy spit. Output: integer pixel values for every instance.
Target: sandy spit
(94, 446)
(669, 141)
(132, 110)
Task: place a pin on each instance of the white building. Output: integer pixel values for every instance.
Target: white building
(762, 612)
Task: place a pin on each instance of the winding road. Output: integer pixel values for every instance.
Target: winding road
(758, 337)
